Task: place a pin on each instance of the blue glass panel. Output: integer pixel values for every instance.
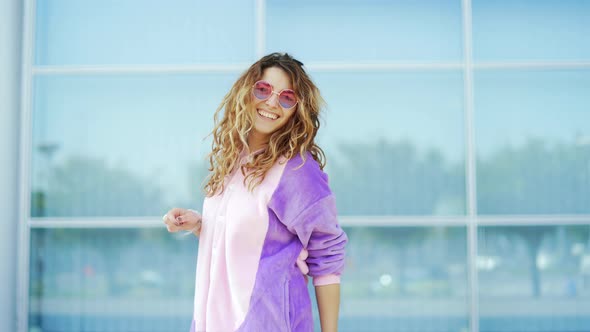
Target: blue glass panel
(533, 141)
(534, 278)
(130, 145)
(405, 279)
(111, 280)
(394, 142)
(371, 31)
(144, 32)
(396, 279)
(531, 30)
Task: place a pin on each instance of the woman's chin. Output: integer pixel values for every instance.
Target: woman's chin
(263, 130)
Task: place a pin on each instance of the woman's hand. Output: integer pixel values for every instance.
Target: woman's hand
(178, 219)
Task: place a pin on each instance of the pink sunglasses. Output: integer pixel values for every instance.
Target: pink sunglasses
(262, 90)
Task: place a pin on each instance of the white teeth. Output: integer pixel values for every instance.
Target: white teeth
(268, 115)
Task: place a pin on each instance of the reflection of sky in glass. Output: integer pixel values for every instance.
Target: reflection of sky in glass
(423, 108)
(512, 107)
(531, 30)
(153, 125)
(375, 30)
(144, 32)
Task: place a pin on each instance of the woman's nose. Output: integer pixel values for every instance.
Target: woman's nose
(273, 100)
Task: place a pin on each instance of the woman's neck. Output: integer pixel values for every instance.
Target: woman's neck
(257, 141)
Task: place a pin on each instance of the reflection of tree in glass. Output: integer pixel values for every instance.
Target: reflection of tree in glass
(393, 178)
(580, 234)
(88, 187)
(580, 252)
(537, 178)
(422, 261)
(402, 238)
(533, 238)
(120, 263)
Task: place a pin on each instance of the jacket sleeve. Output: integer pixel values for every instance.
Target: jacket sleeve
(304, 203)
(318, 230)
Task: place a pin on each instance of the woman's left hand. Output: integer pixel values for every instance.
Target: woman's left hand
(178, 219)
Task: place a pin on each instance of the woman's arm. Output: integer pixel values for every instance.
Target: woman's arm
(328, 297)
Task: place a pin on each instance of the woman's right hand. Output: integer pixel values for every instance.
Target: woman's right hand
(178, 219)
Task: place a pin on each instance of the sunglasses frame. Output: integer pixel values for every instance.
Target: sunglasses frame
(272, 91)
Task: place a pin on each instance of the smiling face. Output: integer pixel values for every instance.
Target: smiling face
(268, 114)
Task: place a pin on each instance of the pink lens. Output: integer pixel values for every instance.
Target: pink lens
(287, 98)
(262, 90)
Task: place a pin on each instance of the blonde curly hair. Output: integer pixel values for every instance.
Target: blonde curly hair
(231, 132)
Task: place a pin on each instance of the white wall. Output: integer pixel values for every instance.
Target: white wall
(10, 51)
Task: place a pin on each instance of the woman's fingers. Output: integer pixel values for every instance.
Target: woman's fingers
(173, 215)
(190, 217)
(178, 219)
(170, 219)
(171, 227)
(187, 227)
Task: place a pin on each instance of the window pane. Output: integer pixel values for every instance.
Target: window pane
(419, 283)
(133, 280)
(373, 31)
(405, 279)
(143, 32)
(534, 278)
(394, 142)
(121, 145)
(531, 30)
(533, 140)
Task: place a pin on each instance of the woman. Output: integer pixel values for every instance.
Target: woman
(269, 217)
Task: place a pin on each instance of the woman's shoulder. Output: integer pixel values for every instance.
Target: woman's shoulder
(303, 184)
(304, 174)
(304, 166)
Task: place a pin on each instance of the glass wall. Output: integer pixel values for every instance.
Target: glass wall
(532, 130)
(127, 279)
(534, 278)
(461, 166)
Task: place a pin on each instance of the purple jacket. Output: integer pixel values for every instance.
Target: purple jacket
(247, 275)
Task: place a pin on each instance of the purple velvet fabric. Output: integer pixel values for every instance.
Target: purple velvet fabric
(302, 213)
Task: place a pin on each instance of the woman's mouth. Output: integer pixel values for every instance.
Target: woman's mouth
(267, 115)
